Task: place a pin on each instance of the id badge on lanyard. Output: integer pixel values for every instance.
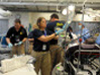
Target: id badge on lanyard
(17, 38)
(44, 45)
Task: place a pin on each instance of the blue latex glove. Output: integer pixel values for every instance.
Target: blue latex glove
(20, 43)
(64, 26)
(59, 31)
(10, 45)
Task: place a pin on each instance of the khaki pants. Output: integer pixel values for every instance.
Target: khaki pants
(43, 62)
(57, 54)
(30, 48)
(18, 50)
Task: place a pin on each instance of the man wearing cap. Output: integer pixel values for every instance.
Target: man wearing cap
(16, 36)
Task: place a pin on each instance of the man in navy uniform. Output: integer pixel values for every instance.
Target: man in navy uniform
(16, 36)
(56, 51)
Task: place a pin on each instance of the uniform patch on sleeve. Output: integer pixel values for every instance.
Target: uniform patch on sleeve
(59, 24)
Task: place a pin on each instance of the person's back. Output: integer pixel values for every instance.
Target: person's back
(56, 51)
(41, 47)
(53, 24)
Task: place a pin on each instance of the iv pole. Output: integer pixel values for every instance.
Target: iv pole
(83, 8)
(66, 35)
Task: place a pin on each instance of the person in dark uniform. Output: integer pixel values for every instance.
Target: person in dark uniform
(56, 51)
(15, 37)
(31, 39)
(41, 47)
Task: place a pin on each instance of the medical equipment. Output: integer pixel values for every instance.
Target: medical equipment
(79, 59)
(88, 64)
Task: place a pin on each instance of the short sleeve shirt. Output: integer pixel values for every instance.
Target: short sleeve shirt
(39, 45)
(16, 36)
(51, 27)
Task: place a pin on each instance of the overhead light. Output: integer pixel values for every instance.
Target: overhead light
(64, 12)
(71, 7)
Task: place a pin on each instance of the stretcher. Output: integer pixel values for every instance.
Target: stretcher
(89, 62)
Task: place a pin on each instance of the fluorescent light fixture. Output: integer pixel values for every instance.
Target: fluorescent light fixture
(64, 12)
(71, 7)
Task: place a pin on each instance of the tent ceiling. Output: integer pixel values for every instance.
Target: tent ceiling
(45, 5)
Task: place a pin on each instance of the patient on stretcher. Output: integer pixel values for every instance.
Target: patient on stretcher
(89, 44)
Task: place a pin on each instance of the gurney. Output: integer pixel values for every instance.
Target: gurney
(89, 63)
(89, 59)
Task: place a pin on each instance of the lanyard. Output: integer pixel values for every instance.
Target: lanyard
(45, 33)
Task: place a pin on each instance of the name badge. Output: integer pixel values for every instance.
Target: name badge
(44, 47)
(12, 35)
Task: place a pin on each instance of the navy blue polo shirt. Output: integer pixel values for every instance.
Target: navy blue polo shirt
(16, 36)
(38, 45)
(31, 34)
(51, 26)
